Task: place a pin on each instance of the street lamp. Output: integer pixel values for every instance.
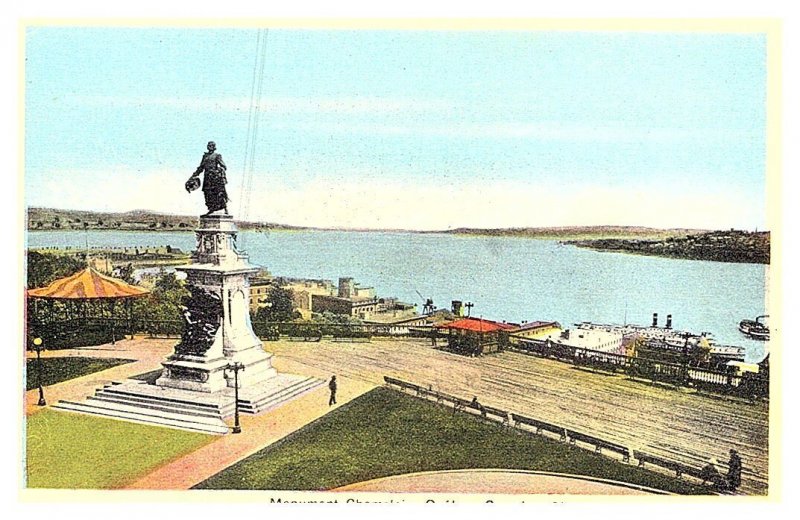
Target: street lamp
(236, 366)
(37, 342)
(685, 374)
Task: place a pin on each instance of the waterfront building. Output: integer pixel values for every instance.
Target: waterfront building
(353, 299)
(537, 329)
(303, 291)
(259, 293)
(612, 342)
(475, 336)
(400, 325)
(349, 289)
(361, 308)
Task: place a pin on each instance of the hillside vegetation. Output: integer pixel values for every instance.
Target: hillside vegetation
(718, 246)
(579, 232)
(40, 219)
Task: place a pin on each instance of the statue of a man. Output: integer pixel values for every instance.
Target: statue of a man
(214, 180)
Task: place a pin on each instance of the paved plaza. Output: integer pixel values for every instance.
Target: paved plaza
(665, 422)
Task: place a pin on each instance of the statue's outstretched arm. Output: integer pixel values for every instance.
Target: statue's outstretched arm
(199, 169)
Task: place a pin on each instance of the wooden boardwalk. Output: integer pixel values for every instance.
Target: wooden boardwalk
(665, 422)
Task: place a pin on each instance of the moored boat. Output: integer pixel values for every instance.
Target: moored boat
(755, 329)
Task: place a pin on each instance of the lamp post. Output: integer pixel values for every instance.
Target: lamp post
(236, 366)
(37, 342)
(685, 375)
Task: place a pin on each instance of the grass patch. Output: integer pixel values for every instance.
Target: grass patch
(385, 433)
(75, 451)
(56, 370)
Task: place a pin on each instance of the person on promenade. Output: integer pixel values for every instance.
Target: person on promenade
(478, 406)
(332, 387)
(734, 470)
(710, 474)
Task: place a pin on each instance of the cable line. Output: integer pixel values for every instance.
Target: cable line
(251, 140)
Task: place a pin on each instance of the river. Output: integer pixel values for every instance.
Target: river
(510, 279)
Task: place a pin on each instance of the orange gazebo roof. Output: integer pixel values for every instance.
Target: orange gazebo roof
(87, 284)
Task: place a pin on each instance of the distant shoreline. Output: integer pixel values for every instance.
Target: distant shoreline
(49, 219)
(715, 246)
(678, 243)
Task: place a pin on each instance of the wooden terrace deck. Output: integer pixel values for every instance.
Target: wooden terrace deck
(665, 422)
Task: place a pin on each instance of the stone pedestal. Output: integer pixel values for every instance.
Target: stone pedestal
(218, 330)
(195, 392)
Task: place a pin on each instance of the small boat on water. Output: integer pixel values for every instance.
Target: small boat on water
(755, 329)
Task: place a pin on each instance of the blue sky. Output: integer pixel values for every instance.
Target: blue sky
(405, 129)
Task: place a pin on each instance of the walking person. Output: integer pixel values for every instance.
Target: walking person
(734, 470)
(332, 387)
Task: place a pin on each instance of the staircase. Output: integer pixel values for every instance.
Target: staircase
(137, 401)
(276, 391)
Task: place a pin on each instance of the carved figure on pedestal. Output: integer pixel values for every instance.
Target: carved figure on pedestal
(214, 180)
(202, 314)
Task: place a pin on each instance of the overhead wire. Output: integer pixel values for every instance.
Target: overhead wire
(251, 140)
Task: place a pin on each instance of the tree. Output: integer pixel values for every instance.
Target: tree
(165, 303)
(126, 273)
(279, 307)
(330, 318)
(44, 269)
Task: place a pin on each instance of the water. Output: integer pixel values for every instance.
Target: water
(510, 279)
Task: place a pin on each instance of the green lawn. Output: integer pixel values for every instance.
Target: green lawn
(56, 370)
(70, 450)
(387, 433)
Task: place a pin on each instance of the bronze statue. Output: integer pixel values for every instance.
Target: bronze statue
(202, 314)
(214, 181)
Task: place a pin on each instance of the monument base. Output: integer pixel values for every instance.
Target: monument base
(258, 368)
(197, 375)
(206, 412)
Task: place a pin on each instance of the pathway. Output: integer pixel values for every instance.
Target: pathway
(146, 353)
(257, 431)
(495, 481)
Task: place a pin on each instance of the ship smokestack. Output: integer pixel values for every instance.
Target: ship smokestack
(669, 321)
(655, 319)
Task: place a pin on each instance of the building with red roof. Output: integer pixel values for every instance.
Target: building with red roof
(476, 336)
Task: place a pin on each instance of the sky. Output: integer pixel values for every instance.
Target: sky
(404, 129)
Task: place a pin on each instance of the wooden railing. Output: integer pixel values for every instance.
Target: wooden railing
(97, 330)
(539, 427)
(745, 385)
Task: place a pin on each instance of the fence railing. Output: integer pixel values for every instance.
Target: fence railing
(95, 330)
(745, 384)
(540, 427)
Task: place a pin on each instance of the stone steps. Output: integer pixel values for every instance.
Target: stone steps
(255, 404)
(138, 414)
(194, 408)
(153, 405)
(184, 409)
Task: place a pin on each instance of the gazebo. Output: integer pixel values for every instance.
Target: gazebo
(88, 288)
(475, 336)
